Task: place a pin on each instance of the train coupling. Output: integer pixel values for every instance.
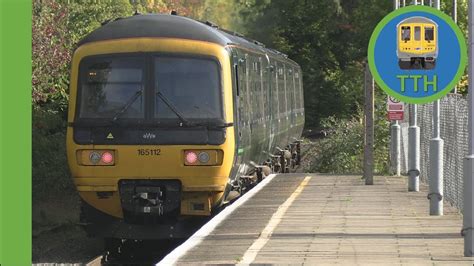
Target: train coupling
(149, 201)
(150, 197)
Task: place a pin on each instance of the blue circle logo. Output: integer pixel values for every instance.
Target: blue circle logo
(417, 54)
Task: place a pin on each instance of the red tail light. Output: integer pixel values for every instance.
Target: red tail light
(191, 157)
(107, 157)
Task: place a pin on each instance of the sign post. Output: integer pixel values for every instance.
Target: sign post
(468, 193)
(396, 111)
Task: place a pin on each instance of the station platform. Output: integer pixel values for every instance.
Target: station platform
(326, 220)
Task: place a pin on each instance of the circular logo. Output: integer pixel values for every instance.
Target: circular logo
(417, 54)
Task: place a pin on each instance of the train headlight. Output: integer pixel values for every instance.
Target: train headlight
(203, 157)
(96, 157)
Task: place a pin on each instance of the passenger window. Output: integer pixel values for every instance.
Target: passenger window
(429, 33)
(417, 33)
(406, 31)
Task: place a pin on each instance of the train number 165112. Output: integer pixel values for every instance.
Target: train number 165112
(149, 152)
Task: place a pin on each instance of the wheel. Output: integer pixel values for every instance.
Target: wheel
(404, 64)
(430, 65)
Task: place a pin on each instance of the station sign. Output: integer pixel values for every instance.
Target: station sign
(395, 109)
(417, 54)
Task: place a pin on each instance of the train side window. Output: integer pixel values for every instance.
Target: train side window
(417, 33)
(429, 33)
(406, 31)
(236, 69)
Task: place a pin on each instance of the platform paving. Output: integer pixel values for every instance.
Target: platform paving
(334, 220)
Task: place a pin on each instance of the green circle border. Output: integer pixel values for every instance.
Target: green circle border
(385, 21)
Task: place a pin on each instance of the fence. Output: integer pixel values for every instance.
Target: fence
(454, 132)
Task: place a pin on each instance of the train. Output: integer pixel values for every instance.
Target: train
(171, 118)
(417, 43)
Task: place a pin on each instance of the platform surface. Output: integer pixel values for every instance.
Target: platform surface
(333, 220)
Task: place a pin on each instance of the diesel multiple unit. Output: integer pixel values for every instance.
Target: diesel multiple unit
(169, 118)
(417, 43)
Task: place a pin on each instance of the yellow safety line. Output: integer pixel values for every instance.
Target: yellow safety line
(253, 250)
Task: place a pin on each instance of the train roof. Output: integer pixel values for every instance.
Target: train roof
(163, 25)
(417, 19)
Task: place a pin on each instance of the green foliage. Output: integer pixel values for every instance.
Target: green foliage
(342, 152)
(57, 27)
(85, 16)
(51, 55)
(50, 169)
(327, 38)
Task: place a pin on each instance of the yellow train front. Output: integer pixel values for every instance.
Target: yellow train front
(168, 116)
(417, 43)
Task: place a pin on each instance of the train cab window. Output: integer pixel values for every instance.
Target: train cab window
(429, 33)
(417, 33)
(112, 87)
(406, 32)
(190, 85)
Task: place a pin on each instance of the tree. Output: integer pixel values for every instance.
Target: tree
(327, 38)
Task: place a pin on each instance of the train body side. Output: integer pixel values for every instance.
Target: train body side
(268, 96)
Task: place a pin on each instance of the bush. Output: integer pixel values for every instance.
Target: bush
(50, 169)
(342, 152)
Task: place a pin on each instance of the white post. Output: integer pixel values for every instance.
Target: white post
(413, 147)
(435, 174)
(395, 134)
(468, 195)
(413, 151)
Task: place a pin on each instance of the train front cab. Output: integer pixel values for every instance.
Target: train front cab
(417, 43)
(144, 156)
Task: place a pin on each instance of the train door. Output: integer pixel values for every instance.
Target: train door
(273, 104)
(263, 108)
(270, 108)
(417, 40)
(240, 72)
(291, 96)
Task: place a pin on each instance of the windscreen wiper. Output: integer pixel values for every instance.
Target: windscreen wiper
(173, 108)
(127, 105)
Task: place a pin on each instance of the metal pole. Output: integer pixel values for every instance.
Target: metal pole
(404, 3)
(468, 195)
(369, 127)
(413, 148)
(455, 11)
(437, 4)
(436, 177)
(395, 134)
(413, 151)
(455, 18)
(431, 3)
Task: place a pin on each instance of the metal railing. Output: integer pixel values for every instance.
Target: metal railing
(454, 131)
